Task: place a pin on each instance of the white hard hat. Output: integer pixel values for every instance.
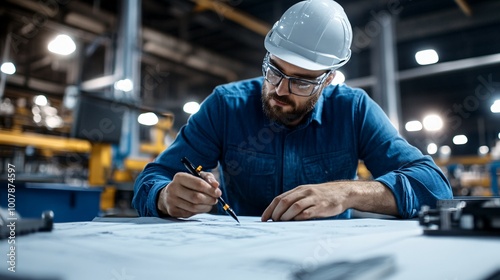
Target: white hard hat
(312, 34)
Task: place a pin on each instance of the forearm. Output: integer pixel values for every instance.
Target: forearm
(371, 196)
(416, 184)
(146, 189)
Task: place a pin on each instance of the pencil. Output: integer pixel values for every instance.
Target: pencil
(196, 172)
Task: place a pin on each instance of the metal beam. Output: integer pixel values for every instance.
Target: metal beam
(225, 11)
(447, 21)
(40, 63)
(18, 16)
(84, 22)
(98, 83)
(102, 16)
(49, 10)
(46, 86)
(165, 46)
(367, 81)
(54, 143)
(196, 57)
(37, 84)
(444, 67)
(439, 68)
(464, 6)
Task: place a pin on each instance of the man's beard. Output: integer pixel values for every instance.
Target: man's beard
(276, 113)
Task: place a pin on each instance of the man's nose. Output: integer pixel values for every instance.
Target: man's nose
(282, 88)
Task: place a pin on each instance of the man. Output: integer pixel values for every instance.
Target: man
(288, 144)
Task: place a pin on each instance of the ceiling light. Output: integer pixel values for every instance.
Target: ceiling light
(37, 118)
(445, 150)
(413, 126)
(339, 78)
(35, 110)
(483, 150)
(495, 108)
(62, 44)
(433, 123)
(149, 118)
(191, 107)
(124, 85)
(53, 121)
(460, 139)
(41, 100)
(49, 111)
(426, 57)
(8, 68)
(432, 148)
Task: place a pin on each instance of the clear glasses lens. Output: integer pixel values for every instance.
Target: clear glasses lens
(273, 77)
(296, 86)
(301, 87)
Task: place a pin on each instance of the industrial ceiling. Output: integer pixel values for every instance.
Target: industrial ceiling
(187, 47)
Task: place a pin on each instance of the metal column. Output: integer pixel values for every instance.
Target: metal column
(127, 66)
(384, 61)
(5, 58)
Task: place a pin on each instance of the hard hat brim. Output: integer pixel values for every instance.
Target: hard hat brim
(298, 60)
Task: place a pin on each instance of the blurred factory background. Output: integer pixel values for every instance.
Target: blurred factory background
(92, 90)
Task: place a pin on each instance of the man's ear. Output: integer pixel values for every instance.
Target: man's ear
(330, 77)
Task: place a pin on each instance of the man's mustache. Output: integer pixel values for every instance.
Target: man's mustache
(280, 98)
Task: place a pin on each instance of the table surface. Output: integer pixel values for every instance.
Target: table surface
(215, 247)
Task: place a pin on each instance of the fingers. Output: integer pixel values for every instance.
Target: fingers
(188, 195)
(296, 211)
(198, 185)
(180, 213)
(210, 178)
(184, 209)
(287, 206)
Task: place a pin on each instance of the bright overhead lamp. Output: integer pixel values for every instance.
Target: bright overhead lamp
(460, 139)
(41, 100)
(54, 121)
(339, 78)
(426, 57)
(125, 85)
(8, 68)
(149, 118)
(495, 108)
(191, 107)
(413, 126)
(445, 150)
(432, 149)
(433, 122)
(62, 44)
(483, 150)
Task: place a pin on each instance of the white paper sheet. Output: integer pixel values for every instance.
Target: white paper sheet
(214, 247)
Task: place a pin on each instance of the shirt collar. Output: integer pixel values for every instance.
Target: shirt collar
(317, 112)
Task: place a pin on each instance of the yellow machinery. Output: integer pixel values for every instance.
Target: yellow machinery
(100, 160)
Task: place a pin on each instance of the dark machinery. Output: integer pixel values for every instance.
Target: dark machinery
(15, 226)
(463, 217)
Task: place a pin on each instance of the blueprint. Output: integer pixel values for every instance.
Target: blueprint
(212, 246)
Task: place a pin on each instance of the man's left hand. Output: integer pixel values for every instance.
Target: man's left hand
(307, 202)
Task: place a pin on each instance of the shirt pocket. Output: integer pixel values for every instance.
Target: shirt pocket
(250, 175)
(328, 167)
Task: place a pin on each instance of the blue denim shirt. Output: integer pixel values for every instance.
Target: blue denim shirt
(260, 159)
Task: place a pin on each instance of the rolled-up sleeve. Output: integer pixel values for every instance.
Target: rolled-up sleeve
(147, 186)
(414, 178)
(198, 140)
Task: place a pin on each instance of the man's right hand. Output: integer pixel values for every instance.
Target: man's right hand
(188, 195)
